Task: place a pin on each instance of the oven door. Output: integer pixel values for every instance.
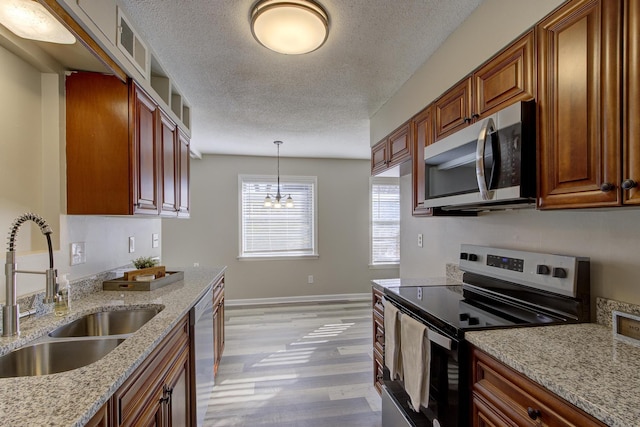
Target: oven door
(448, 403)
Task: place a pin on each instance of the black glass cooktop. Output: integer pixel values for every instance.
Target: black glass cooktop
(446, 308)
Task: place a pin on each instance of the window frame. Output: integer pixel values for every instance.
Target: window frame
(382, 181)
(313, 180)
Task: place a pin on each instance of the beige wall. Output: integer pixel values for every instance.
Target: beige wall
(609, 237)
(210, 237)
(32, 178)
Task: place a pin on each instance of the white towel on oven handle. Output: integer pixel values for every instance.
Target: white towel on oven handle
(392, 358)
(415, 351)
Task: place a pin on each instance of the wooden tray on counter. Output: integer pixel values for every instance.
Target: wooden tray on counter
(122, 284)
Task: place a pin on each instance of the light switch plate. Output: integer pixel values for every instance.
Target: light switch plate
(155, 240)
(132, 244)
(78, 255)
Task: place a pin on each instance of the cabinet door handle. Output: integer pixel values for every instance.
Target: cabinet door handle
(628, 184)
(533, 413)
(606, 187)
(467, 119)
(475, 116)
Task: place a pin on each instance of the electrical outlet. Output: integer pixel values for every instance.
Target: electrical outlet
(310, 279)
(196, 264)
(419, 240)
(78, 255)
(155, 240)
(132, 244)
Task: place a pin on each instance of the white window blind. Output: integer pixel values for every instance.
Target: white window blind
(272, 232)
(385, 221)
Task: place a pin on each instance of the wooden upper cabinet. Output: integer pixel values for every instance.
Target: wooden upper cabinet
(631, 105)
(422, 133)
(379, 157)
(184, 174)
(123, 156)
(391, 151)
(145, 129)
(169, 158)
(579, 105)
(507, 78)
(452, 111)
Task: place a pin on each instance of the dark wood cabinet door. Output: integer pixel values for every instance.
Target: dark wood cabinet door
(168, 166)
(399, 146)
(631, 105)
(578, 105)
(452, 111)
(184, 174)
(507, 78)
(422, 134)
(379, 157)
(145, 128)
(101, 418)
(177, 393)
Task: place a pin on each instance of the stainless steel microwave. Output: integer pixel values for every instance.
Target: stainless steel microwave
(490, 164)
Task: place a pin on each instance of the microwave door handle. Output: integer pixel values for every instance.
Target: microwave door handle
(487, 128)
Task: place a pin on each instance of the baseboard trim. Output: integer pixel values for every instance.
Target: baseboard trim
(297, 299)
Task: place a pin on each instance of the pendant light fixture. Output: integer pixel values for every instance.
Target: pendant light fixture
(292, 27)
(30, 20)
(268, 203)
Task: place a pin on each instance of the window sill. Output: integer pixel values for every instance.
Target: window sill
(276, 258)
(383, 266)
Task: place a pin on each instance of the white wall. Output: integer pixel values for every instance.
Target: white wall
(609, 237)
(32, 178)
(211, 237)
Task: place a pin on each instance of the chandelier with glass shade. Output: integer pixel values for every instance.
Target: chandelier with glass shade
(276, 202)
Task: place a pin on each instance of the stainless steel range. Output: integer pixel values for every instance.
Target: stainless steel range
(501, 289)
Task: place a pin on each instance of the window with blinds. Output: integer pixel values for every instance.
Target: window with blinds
(277, 232)
(385, 221)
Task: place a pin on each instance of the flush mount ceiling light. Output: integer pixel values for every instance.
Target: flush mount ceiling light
(291, 27)
(30, 20)
(267, 200)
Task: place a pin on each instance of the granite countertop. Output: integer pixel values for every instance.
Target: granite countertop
(582, 363)
(71, 398)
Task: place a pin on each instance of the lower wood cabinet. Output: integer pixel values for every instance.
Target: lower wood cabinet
(218, 323)
(102, 418)
(504, 397)
(378, 339)
(158, 393)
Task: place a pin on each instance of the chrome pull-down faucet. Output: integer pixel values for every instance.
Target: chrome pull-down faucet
(10, 311)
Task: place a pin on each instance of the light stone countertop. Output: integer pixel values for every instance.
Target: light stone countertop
(71, 398)
(582, 363)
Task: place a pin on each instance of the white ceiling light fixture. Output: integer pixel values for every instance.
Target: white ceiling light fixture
(30, 20)
(268, 203)
(291, 27)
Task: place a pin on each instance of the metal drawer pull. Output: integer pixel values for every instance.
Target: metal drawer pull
(533, 413)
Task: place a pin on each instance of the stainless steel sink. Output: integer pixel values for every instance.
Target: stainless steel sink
(106, 323)
(54, 356)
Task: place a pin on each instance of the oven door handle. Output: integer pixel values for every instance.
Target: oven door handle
(487, 129)
(439, 339)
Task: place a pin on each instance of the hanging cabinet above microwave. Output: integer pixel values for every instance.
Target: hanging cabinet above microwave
(124, 155)
(504, 79)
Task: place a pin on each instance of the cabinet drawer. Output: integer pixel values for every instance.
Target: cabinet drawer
(378, 371)
(378, 338)
(519, 399)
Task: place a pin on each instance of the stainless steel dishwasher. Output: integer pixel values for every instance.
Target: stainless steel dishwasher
(201, 318)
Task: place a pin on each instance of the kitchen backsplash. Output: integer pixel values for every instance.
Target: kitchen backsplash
(605, 308)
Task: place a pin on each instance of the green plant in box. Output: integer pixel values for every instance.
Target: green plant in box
(144, 262)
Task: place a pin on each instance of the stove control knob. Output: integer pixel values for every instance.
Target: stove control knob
(464, 316)
(474, 321)
(464, 255)
(542, 269)
(560, 273)
(473, 257)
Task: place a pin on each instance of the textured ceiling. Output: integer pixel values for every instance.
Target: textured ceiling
(243, 96)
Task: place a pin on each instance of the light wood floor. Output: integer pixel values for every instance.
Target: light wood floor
(296, 365)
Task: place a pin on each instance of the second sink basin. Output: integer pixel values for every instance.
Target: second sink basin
(54, 356)
(106, 323)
